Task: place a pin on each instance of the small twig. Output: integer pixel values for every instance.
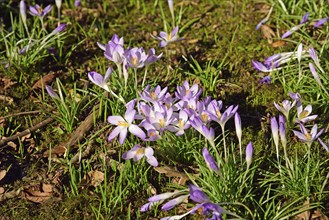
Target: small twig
(27, 131)
(21, 113)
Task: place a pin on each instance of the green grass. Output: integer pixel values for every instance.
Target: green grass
(219, 43)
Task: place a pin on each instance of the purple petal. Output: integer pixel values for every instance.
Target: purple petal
(197, 195)
(304, 18)
(249, 153)
(115, 120)
(210, 160)
(114, 133)
(321, 22)
(123, 134)
(131, 153)
(137, 131)
(287, 34)
(172, 203)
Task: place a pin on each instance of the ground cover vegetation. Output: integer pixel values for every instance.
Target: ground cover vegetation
(164, 109)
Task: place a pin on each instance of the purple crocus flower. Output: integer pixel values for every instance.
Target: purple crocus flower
(325, 146)
(198, 125)
(266, 80)
(77, 3)
(155, 95)
(136, 57)
(285, 107)
(99, 80)
(315, 74)
(249, 153)
(321, 22)
(292, 30)
(282, 131)
(60, 28)
(210, 161)
(138, 152)
(180, 124)
(172, 203)
(22, 10)
(123, 125)
(315, 58)
(220, 118)
(51, 92)
(197, 195)
(304, 116)
(307, 137)
(185, 92)
(151, 57)
(275, 135)
(38, 11)
(166, 38)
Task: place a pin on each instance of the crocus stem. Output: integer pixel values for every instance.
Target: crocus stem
(59, 16)
(144, 78)
(136, 85)
(224, 142)
(42, 24)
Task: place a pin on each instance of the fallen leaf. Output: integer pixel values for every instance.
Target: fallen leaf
(7, 83)
(47, 79)
(95, 177)
(318, 215)
(267, 33)
(2, 190)
(306, 214)
(2, 174)
(12, 144)
(48, 188)
(279, 43)
(171, 172)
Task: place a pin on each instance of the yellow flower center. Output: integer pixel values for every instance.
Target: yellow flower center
(219, 115)
(141, 150)
(123, 123)
(204, 117)
(162, 123)
(153, 96)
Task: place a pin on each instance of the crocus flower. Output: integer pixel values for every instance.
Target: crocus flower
(166, 38)
(285, 107)
(138, 152)
(266, 80)
(180, 124)
(321, 22)
(154, 95)
(198, 125)
(238, 129)
(282, 131)
(172, 203)
(304, 115)
(307, 137)
(325, 146)
(220, 118)
(58, 3)
(171, 8)
(292, 30)
(315, 58)
(123, 125)
(22, 10)
(99, 80)
(60, 28)
(275, 135)
(77, 3)
(249, 153)
(151, 57)
(136, 57)
(210, 161)
(51, 92)
(38, 11)
(263, 21)
(315, 74)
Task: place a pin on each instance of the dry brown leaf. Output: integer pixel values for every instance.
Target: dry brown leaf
(95, 178)
(279, 43)
(47, 79)
(318, 215)
(267, 33)
(34, 195)
(306, 214)
(2, 174)
(12, 144)
(171, 172)
(23, 138)
(2, 190)
(7, 83)
(48, 188)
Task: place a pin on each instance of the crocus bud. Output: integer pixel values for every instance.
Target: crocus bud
(58, 4)
(210, 161)
(237, 120)
(282, 131)
(77, 3)
(22, 10)
(171, 7)
(249, 153)
(51, 92)
(275, 135)
(60, 28)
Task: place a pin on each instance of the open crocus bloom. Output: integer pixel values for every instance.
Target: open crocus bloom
(138, 152)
